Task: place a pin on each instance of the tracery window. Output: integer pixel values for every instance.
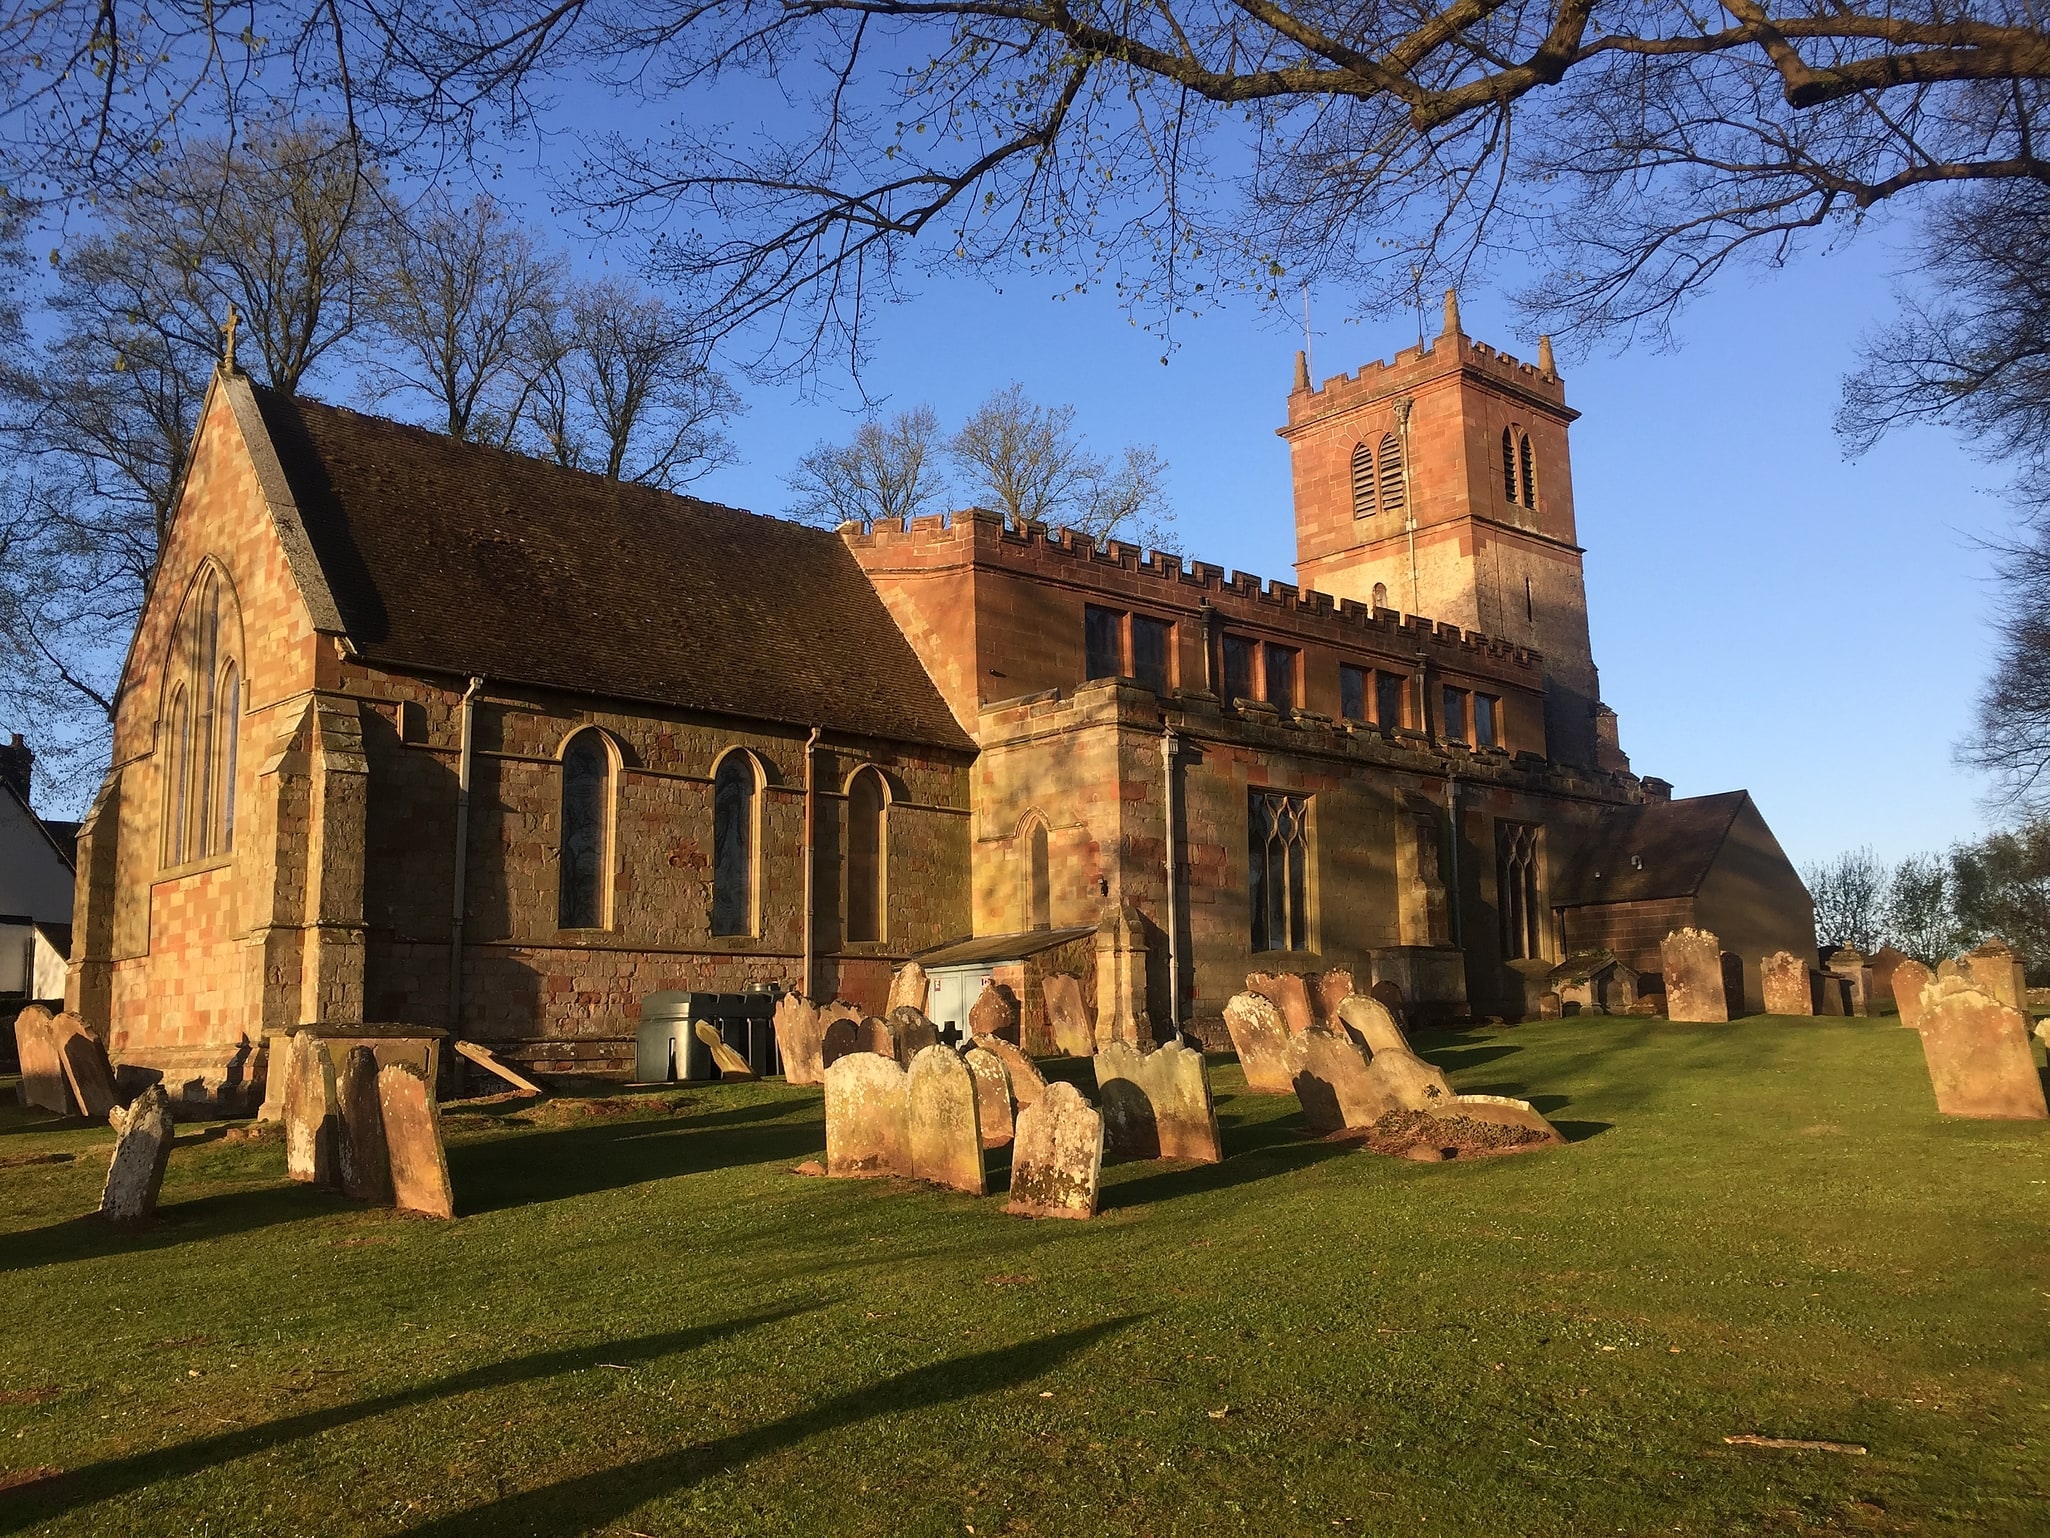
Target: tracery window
(201, 726)
(584, 857)
(1516, 883)
(1278, 870)
(177, 797)
(866, 855)
(734, 800)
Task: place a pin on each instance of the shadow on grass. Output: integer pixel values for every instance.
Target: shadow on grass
(595, 1500)
(205, 1217)
(1273, 1149)
(52, 1497)
(1581, 1131)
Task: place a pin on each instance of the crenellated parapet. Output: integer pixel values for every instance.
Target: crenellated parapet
(1414, 366)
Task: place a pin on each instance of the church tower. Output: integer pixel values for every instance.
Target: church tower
(1439, 484)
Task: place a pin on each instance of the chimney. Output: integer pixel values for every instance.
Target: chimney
(1656, 791)
(16, 766)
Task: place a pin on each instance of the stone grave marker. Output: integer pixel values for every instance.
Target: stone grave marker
(362, 1162)
(412, 1137)
(1368, 1018)
(1066, 1016)
(839, 1038)
(1287, 993)
(866, 1134)
(1829, 992)
(1328, 1072)
(910, 987)
(1980, 1062)
(44, 1084)
(993, 1014)
(1846, 963)
(87, 1073)
(1692, 960)
(1784, 978)
(943, 1133)
(1157, 1105)
(1503, 1112)
(1389, 996)
(1027, 1082)
(1550, 1006)
(1260, 1037)
(141, 1150)
(1057, 1161)
(992, 1096)
(913, 1031)
(1997, 972)
(496, 1066)
(731, 1065)
(800, 1039)
(880, 1037)
(1328, 990)
(312, 1113)
(1912, 984)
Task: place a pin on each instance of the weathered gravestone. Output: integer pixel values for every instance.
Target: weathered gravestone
(476, 1052)
(913, 1032)
(87, 1073)
(362, 1161)
(1339, 1087)
(312, 1113)
(141, 1150)
(1057, 1160)
(1260, 1037)
(992, 1096)
(1156, 1105)
(1980, 1063)
(43, 1082)
(839, 1038)
(1911, 987)
(865, 1117)
(993, 1014)
(1996, 971)
(1829, 992)
(1369, 1020)
(1328, 990)
(412, 1138)
(800, 1039)
(1692, 960)
(1287, 993)
(1027, 1083)
(1066, 1015)
(1846, 963)
(910, 987)
(941, 1125)
(880, 1037)
(1502, 1111)
(1389, 996)
(1550, 1006)
(731, 1064)
(1783, 977)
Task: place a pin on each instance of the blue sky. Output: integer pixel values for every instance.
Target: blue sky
(1765, 614)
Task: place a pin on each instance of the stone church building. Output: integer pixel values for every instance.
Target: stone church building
(418, 730)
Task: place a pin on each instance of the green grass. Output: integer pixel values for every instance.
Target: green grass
(645, 1324)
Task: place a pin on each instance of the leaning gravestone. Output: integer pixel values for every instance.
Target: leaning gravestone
(1783, 976)
(1995, 971)
(992, 1096)
(913, 1031)
(142, 1149)
(1912, 985)
(1328, 990)
(36, 1045)
(1027, 1082)
(865, 1117)
(1980, 1063)
(909, 988)
(1502, 1111)
(839, 1038)
(1157, 1105)
(1287, 993)
(87, 1073)
(412, 1136)
(363, 1162)
(993, 1014)
(942, 1129)
(800, 1033)
(731, 1064)
(1406, 1082)
(1260, 1037)
(312, 1114)
(1328, 1072)
(1368, 1018)
(1692, 960)
(1829, 992)
(1073, 1031)
(1057, 1161)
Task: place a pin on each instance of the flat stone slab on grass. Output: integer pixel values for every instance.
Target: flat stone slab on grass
(1783, 977)
(1980, 1063)
(412, 1137)
(1066, 1015)
(993, 1106)
(313, 1116)
(1157, 1105)
(1057, 1162)
(142, 1149)
(1027, 1082)
(1260, 1036)
(866, 1134)
(362, 1162)
(941, 1122)
(1692, 961)
(44, 1084)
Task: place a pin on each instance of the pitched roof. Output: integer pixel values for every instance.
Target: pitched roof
(458, 558)
(1642, 852)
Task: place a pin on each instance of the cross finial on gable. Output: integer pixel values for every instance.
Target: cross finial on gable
(228, 351)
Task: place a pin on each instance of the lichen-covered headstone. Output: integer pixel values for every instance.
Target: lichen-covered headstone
(1980, 1063)
(412, 1137)
(1260, 1037)
(944, 1132)
(1057, 1161)
(800, 1033)
(1368, 1018)
(1911, 986)
(1783, 977)
(1996, 971)
(362, 1161)
(312, 1114)
(1067, 1017)
(43, 1082)
(992, 1096)
(1287, 993)
(141, 1150)
(993, 1014)
(839, 1038)
(913, 1032)
(910, 987)
(1692, 961)
(1156, 1105)
(1328, 990)
(731, 1064)
(1328, 1071)
(865, 1117)
(1407, 1082)
(1027, 1082)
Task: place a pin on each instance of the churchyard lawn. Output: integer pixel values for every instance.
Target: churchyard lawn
(645, 1324)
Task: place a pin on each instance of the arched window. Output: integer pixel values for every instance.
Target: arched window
(1391, 474)
(178, 783)
(1509, 464)
(1527, 465)
(734, 800)
(1038, 875)
(583, 863)
(207, 647)
(1362, 481)
(866, 856)
(228, 717)
(1380, 595)
(202, 719)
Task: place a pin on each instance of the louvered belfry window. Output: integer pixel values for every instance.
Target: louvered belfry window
(1509, 464)
(1391, 474)
(1362, 481)
(1528, 469)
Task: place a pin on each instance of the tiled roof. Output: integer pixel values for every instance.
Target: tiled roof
(459, 558)
(1644, 852)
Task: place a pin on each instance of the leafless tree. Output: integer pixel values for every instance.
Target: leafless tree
(1849, 892)
(460, 295)
(889, 470)
(1030, 464)
(2012, 743)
